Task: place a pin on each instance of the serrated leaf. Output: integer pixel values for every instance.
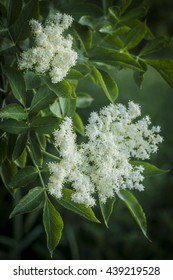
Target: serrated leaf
(17, 83)
(77, 208)
(61, 89)
(45, 125)
(135, 209)
(29, 203)
(113, 57)
(164, 67)
(14, 126)
(107, 208)
(42, 99)
(19, 146)
(149, 169)
(24, 176)
(108, 85)
(20, 30)
(154, 45)
(78, 124)
(135, 36)
(83, 100)
(53, 225)
(13, 111)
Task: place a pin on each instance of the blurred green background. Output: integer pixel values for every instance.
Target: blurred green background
(123, 240)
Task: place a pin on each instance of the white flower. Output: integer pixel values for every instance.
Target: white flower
(103, 165)
(53, 52)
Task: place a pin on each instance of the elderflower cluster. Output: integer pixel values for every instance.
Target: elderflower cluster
(102, 166)
(53, 52)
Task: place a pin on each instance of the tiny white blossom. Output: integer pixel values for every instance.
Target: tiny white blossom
(102, 165)
(53, 51)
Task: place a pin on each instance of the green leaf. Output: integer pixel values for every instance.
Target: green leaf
(45, 125)
(13, 111)
(14, 6)
(3, 150)
(124, 5)
(68, 106)
(74, 75)
(7, 171)
(77, 208)
(83, 100)
(36, 152)
(41, 140)
(19, 146)
(164, 67)
(6, 44)
(83, 32)
(107, 208)
(53, 225)
(24, 176)
(20, 30)
(42, 99)
(56, 109)
(134, 14)
(139, 78)
(113, 57)
(14, 126)
(62, 89)
(135, 209)
(29, 203)
(149, 169)
(108, 85)
(78, 124)
(135, 36)
(154, 45)
(32, 80)
(17, 83)
(22, 159)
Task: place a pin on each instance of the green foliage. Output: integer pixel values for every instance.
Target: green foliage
(135, 209)
(108, 36)
(79, 209)
(53, 225)
(30, 202)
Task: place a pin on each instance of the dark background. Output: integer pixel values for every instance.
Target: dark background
(123, 240)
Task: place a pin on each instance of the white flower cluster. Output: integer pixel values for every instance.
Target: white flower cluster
(53, 52)
(102, 165)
